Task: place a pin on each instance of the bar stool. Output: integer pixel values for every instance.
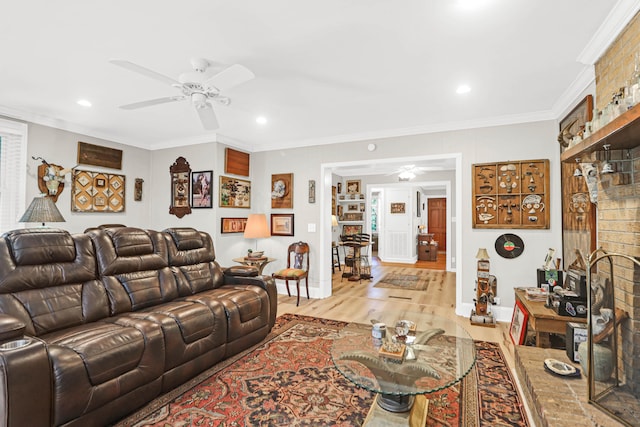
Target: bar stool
(335, 258)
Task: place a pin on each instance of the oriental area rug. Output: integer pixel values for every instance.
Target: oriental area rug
(414, 279)
(290, 380)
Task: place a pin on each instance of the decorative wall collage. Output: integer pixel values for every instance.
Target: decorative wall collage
(512, 194)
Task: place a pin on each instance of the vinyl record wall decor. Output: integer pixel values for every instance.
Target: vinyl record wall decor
(509, 246)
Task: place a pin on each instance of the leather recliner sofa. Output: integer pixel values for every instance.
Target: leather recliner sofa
(95, 325)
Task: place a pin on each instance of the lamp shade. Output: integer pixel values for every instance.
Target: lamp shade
(256, 227)
(334, 221)
(482, 254)
(42, 209)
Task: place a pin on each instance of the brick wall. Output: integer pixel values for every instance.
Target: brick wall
(618, 211)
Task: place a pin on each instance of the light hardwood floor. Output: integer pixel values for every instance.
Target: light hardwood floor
(354, 301)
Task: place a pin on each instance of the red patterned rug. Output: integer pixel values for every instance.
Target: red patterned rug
(289, 380)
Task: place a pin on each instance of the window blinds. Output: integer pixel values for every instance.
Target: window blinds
(13, 172)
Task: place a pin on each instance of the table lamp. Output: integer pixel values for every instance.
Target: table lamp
(42, 209)
(256, 228)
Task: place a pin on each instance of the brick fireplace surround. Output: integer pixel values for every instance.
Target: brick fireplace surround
(563, 402)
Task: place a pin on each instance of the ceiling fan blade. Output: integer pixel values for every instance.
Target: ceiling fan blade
(207, 116)
(145, 71)
(230, 77)
(150, 102)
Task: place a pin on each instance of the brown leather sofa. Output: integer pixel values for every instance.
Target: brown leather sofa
(95, 325)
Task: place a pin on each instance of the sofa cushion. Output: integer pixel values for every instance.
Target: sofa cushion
(96, 363)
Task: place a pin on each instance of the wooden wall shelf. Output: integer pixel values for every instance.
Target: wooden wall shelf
(622, 133)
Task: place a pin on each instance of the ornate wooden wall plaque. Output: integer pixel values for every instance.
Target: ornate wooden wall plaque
(236, 162)
(95, 155)
(180, 182)
(512, 194)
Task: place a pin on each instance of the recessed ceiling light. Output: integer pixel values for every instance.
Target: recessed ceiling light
(261, 120)
(463, 89)
(84, 103)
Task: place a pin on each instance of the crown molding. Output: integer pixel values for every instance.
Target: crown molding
(585, 79)
(415, 130)
(614, 23)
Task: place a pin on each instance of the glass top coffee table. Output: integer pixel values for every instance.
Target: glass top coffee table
(435, 353)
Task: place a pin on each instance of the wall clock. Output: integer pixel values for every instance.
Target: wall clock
(509, 246)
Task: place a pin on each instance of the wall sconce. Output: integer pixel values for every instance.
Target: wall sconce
(578, 172)
(256, 228)
(42, 209)
(607, 167)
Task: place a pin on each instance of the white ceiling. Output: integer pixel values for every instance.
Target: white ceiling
(326, 71)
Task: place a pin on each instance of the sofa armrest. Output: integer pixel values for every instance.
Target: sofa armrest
(241, 271)
(10, 328)
(25, 383)
(265, 282)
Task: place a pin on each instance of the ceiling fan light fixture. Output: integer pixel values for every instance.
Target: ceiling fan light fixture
(406, 176)
(199, 100)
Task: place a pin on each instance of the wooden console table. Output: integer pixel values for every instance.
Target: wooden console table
(544, 321)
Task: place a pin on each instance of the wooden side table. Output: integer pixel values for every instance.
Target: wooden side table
(543, 320)
(259, 262)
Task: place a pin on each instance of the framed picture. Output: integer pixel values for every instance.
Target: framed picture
(351, 229)
(282, 191)
(333, 200)
(312, 191)
(398, 208)
(418, 210)
(339, 187)
(282, 224)
(234, 193)
(353, 186)
(574, 123)
(97, 192)
(236, 162)
(518, 328)
(96, 155)
(180, 182)
(201, 189)
(232, 225)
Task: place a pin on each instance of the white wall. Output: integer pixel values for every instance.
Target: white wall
(515, 142)
(61, 148)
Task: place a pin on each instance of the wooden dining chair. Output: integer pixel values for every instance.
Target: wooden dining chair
(297, 267)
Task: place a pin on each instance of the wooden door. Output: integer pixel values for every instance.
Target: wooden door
(437, 221)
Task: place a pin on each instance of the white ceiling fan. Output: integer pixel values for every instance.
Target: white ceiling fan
(408, 172)
(202, 86)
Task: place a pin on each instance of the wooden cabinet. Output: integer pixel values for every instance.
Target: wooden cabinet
(427, 248)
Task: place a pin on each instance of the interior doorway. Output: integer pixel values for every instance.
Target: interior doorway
(437, 221)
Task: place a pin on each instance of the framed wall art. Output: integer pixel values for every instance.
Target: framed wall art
(201, 189)
(96, 155)
(511, 194)
(398, 208)
(312, 191)
(353, 186)
(574, 123)
(518, 328)
(97, 192)
(351, 229)
(137, 194)
(236, 162)
(234, 193)
(282, 224)
(180, 172)
(282, 191)
(232, 225)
